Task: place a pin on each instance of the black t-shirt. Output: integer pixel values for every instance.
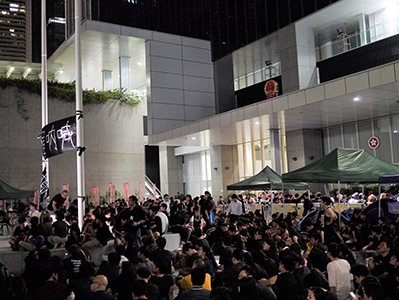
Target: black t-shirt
(103, 234)
(59, 202)
(60, 228)
(163, 283)
(157, 222)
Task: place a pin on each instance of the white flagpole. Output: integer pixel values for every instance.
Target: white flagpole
(79, 114)
(45, 163)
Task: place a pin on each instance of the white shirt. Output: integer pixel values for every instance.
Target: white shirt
(164, 221)
(235, 208)
(339, 276)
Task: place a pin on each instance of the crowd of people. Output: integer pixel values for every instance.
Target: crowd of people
(224, 254)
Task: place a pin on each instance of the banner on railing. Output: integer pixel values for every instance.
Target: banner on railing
(153, 190)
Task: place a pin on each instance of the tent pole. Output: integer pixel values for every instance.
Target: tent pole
(339, 205)
(379, 200)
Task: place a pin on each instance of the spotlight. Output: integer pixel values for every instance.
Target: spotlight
(295, 158)
(340, 30)
(268, 63)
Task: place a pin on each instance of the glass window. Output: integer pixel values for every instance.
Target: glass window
(242, 82)
(382, 130)
(267, 153)
(364, 135)
(335, 138)
(250, 79)
(258, 76)
(257, 157)
(249, 170)
(240, 153)
(350, 137)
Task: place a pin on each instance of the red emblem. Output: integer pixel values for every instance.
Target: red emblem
(271, 88)
(374, 142)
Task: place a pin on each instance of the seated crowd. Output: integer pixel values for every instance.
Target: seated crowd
(223, 255)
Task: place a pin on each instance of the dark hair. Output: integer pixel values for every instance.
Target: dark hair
(161, 242)
(139, 288)
(234, 196)
(144, 251)
(311, 280)
(86, 269)
(34, 221)
(134, 198)
(238, 254)
(334, 250)
(376, 291)
(162, 264)
(143, 272)
(326, 200)
(113, 259)
(154, 208)
(247, 269)
(47, 272)
(120, 249)
(288, 262)
(59, 215)
(198, 276)
(360, 270)
(376, 229)
(220, 293)
(314, 234)
(21, 220)
(248, 288)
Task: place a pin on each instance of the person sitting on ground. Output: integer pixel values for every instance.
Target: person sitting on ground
(75, 259)
(160, 251)
(98, 239)
(197, 292)
(145, 262)
(111, 269)
(186, 282)
(19, 234)
(264, 292)
(35, 230)
(81, 285)
(59, 231)
(139, 290)
(162, 278)
(52, 289)
(152, 290)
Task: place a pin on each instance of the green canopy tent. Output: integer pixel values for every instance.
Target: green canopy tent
(265, 180)
(7, 192)
(343, 166)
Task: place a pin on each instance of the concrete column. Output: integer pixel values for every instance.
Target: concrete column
(224, 84)
(276, 150)
(171, 171)
(298, 57)
(304, 146)
(224, 164)
(107, 80)
(124, 73)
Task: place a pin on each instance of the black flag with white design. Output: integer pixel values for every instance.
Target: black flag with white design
(44, 190)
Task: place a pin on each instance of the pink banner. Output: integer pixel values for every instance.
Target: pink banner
(141, 193)
(95, 191)
(35, 199)
(153, 190)
(65, 187)
(126, 186)
(111, 192)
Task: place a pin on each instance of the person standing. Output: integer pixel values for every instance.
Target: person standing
(235, 209)
(131, 219)
(338, 270)
(58, 201)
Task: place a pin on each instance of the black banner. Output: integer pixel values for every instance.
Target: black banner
(58, 137)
